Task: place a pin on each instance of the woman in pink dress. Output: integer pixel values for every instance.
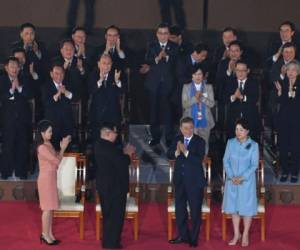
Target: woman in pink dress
(49, 161)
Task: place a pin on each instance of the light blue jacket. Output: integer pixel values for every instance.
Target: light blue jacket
(240, 160)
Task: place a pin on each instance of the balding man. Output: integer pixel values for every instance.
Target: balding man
(105, 89)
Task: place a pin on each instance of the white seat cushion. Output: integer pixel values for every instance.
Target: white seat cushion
(205, 207)
(131, 206)
(69, 204)
(66, 176)
(261, 208)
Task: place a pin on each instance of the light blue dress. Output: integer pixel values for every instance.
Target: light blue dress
(240, 160)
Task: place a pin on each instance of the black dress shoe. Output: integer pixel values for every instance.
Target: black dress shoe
(283, 178)
(178, 240)
(153, 142)
(193, 244)
(294, 179)
(43, 240)
(56, 242)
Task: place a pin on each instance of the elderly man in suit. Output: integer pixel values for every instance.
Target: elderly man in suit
(197, 101)
(188, 149)
(105, 89)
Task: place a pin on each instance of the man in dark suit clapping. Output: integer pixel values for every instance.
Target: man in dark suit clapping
(161, 56)
(112, 182)
(57, 98)
(15, 91)
(188, 149)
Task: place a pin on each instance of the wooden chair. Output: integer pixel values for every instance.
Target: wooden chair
(132, 204)
(71, 176)
(261, 210)
(206, 200)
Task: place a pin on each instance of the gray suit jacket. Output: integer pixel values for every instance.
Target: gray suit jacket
(207, 98)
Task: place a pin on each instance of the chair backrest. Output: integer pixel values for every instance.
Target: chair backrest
(77, 113)
(260, 174)
(71, 174)
(206, 163)
(134, 169)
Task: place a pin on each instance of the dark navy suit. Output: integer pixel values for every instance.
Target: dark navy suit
(189, 182)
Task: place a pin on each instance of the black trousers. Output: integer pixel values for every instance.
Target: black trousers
(289, 163)
(192, 196)
(89, 14)
(113, 205)
(160, 109)
(165, 11)
(15, 151)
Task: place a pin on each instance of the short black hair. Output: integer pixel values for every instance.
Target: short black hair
(11, 59)
(196, 68)
(186, 119)
(55, 64)
(175, 30)
(108, 126)
(18, 50)
(289, 45)
(289, 23)
(78, 28)
(243, 122)
(237, 43)
(200, 47)
(64, 41)
(230, 29)
(163, 26)
(241, 61)
(27, 25)
(113, 27)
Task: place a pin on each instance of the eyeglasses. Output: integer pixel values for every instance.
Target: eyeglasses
(163, 33)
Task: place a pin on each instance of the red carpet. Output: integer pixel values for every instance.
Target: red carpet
(20, 229)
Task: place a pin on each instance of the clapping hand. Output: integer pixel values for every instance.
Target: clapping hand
(283, 70)
(237, 180)
(118, 45)
(181, 147)
(15, 83)
(198, 95)
(117, 75)
(278, 87)
(238, 94)
(231, 65)
(129, 150)
(144, 68)
(65, 142)
(80, 64)
(35, 47)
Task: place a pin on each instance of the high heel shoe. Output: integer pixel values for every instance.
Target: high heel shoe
(43, 240)
(233, 242)
(56, 242)
(245, 243)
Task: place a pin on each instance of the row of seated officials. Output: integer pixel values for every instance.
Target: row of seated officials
(97, 78)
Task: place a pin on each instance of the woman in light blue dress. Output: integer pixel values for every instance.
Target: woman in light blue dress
(240, 162)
